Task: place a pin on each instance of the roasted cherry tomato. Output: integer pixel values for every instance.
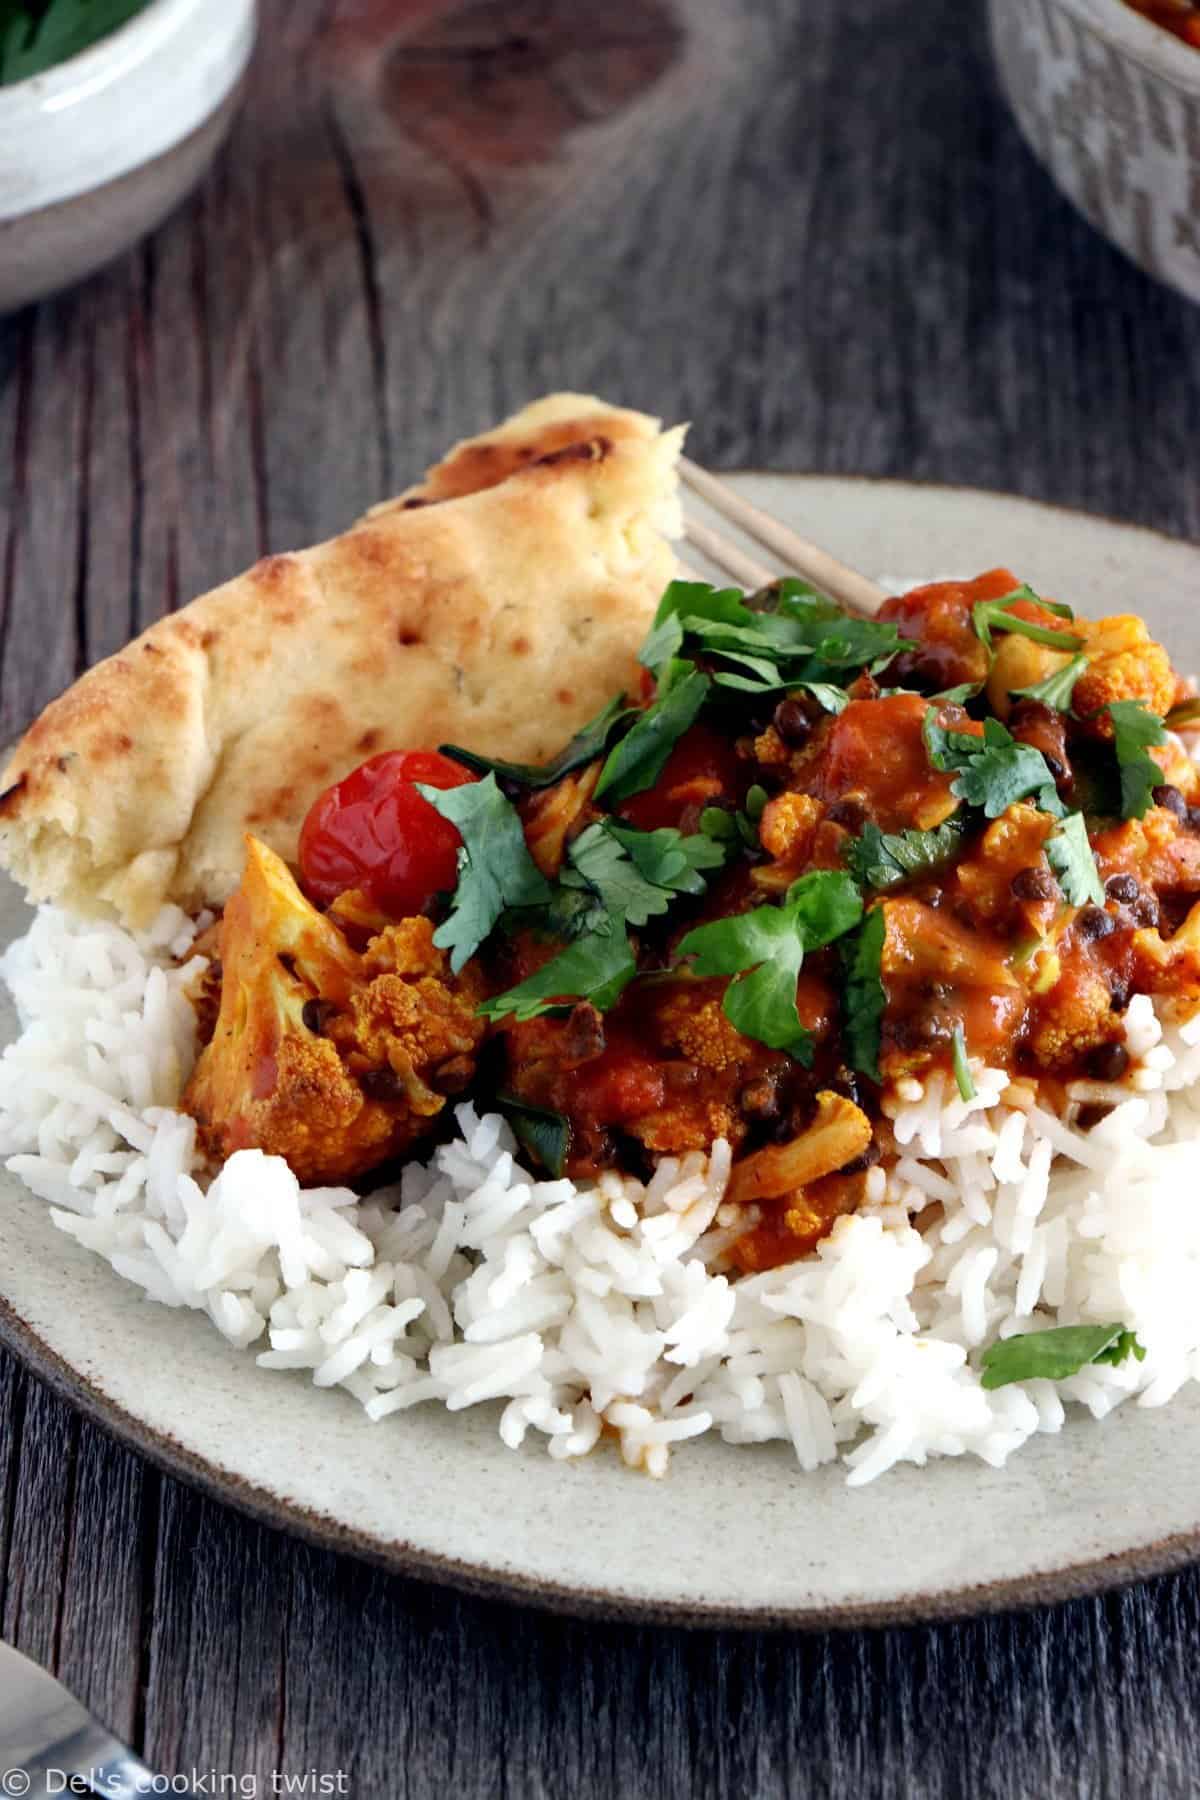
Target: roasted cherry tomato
(700, 769)
(375, 832)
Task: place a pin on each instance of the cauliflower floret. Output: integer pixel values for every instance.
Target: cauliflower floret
(333, 1060)
(1123, 663)
(1073, 1017)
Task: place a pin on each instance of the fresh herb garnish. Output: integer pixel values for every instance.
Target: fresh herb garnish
(880, 859)
(495, 869)
(1185, 714)
(545, 1134)
(962, 1068)
(1053, 1355)
(995, 615)
(1058, 687)
(587, 744)
(764, 950)
(1070, 856)
(639, 759)
(865, 995)
(829, 697)
(598, 967)
(1135, 728)
(786, 637)
(952, 696)
(639, 873)
(36, 35)
(993, 771)
(703, 607)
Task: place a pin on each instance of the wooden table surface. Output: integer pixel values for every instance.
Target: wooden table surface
(811, 228)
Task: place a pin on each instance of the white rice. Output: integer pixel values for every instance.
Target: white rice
(605, 1303)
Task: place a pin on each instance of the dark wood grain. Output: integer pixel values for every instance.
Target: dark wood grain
(813, 230)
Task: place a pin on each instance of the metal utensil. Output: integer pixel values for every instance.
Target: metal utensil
(49, 1743)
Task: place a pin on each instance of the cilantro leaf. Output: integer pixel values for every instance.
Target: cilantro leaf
(962, 1068)
(667, 858)
(639, 759)
(785, 636)
(1070, 856)
(730, 946)
(865, 994)
(1058, 687)
(598, 967)
(881, 859)
(764, 951)
(546, 1135)
(994, 770)
(600, 863)
(988, 616)
(639, 873)
(825, 905)
(587, 744)
(495, 869)
(1053, 1355)
(1135, 727)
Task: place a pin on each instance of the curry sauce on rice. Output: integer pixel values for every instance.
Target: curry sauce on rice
(820, 858)
(807, 1051)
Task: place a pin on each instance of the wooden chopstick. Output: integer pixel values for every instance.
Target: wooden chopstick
(843, 584)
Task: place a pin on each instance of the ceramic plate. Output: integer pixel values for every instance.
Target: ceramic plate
(731, 1536)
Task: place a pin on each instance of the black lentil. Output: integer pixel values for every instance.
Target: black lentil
(1172, 799)
(1107, 1062)
(1034, 884)
(792, 722)
(1094, 922)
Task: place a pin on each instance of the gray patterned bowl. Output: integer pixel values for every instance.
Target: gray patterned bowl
(1110, 103)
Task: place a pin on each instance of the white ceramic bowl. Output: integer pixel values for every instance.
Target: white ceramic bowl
(96, 151)
(1110, 103)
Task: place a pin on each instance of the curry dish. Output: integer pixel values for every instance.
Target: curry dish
(812, 858)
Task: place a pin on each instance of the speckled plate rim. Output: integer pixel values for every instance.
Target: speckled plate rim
(1020, 1592)
(1146, 1552)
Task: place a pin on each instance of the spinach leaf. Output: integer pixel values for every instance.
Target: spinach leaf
(587, 744)
(786, 636)
(865, 996)
(598, 967)
(495, 869)
(546, 1135)
(1055, 1354)
(639, 759)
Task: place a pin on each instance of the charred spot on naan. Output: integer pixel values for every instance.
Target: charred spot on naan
(10, 799)
(476, 466)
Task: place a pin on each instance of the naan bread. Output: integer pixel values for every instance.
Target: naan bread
(498, 605)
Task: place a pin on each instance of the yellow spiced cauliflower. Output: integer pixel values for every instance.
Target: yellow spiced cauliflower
(333, 1059)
